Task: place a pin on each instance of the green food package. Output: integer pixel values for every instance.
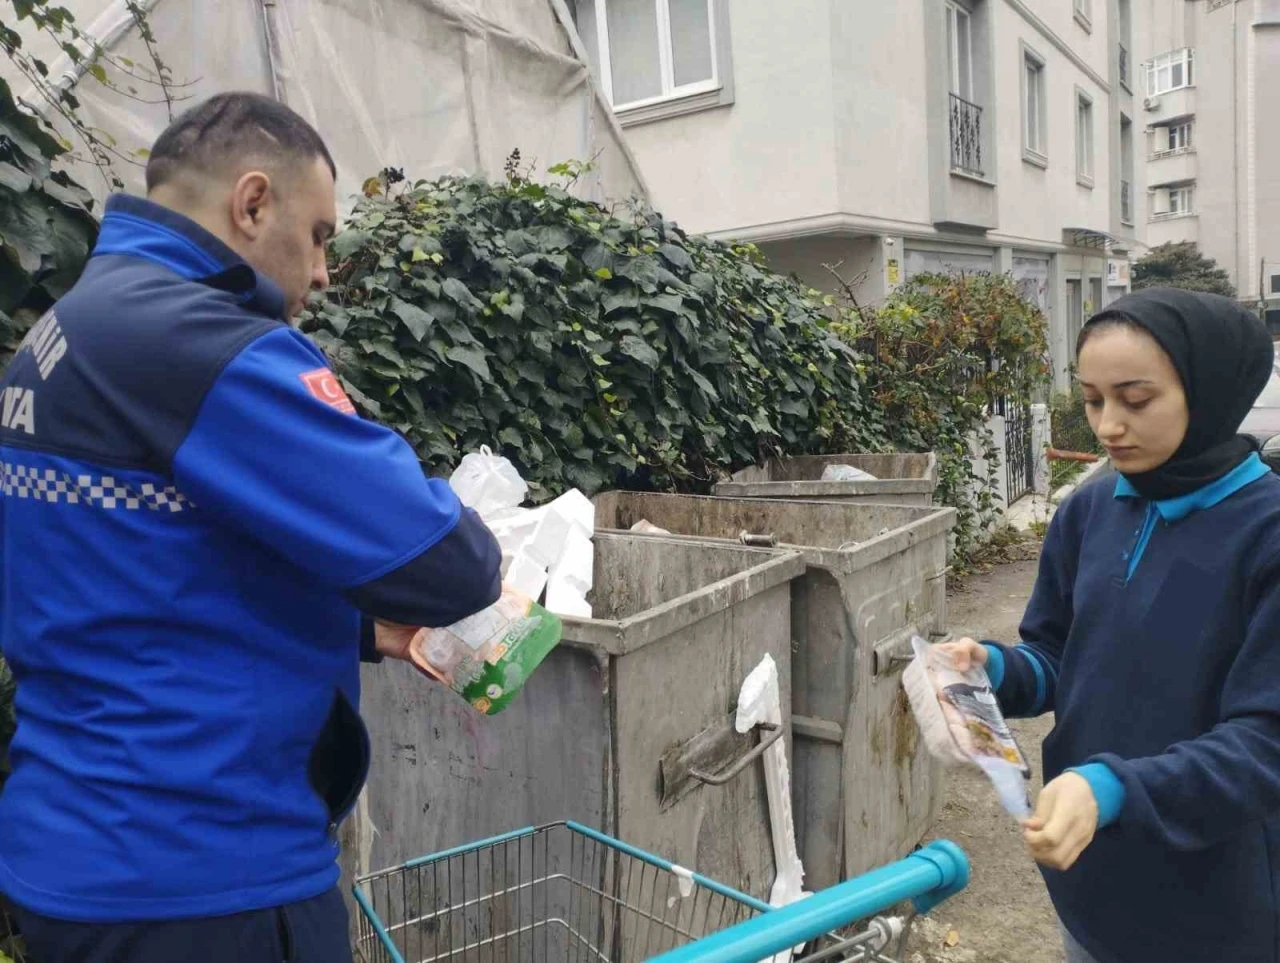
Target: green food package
(487, 657)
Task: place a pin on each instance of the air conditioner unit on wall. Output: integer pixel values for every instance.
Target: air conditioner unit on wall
(1151, 103)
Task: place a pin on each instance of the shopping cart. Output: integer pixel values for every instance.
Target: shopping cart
(566, 892)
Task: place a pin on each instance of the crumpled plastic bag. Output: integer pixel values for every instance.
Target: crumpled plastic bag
(846, 473)
(488, 483)
(961, 722)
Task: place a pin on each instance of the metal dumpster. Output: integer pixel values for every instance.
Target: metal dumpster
(864, 791)
(901, 479)
(680, 626)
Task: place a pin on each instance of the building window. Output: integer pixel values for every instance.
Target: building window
(1082, 14)
(1170, 71)
(960, 50)
(1034, 131)
(1176, 201)
(1084, 139)
(1180, 136)
(964, 117)
(649, 53)
(1126, 42)
(1180, 200)
(1275, 284)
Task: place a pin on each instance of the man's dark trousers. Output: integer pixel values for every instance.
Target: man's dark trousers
(311, 931)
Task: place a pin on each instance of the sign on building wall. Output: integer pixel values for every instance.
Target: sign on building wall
(1118, 272)
(893, 272)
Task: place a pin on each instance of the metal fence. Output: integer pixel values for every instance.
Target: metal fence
(966, 135)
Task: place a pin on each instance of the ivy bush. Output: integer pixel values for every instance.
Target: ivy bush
(46, 228)
(594, 348)
(941, 353)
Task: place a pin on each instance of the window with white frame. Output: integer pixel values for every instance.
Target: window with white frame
(1084, 138)
(648, 51)
(1034, 130)
(960, 49)
(1175, 201)
(1169, 71)
(1180, 136)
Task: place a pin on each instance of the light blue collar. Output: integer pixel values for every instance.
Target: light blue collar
(1173, 509)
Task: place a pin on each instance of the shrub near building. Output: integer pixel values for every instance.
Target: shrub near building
(596, 348)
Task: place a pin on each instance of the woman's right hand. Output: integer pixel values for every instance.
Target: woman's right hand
(964, 653)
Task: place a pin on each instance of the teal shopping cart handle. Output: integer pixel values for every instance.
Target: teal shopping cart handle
(927, 877)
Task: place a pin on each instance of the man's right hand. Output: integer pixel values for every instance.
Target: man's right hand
(964, 653)
(392, 640)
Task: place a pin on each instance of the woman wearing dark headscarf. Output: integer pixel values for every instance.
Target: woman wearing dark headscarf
(1153, 634)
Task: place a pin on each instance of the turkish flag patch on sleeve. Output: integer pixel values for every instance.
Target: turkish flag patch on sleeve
(324, 384)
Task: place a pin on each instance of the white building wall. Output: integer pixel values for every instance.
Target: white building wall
(881, 127)
(1037, 203)
(769, 157)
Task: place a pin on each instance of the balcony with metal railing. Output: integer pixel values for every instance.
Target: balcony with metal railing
(966, 136)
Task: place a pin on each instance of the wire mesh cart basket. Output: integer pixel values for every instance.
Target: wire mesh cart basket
(564, 892)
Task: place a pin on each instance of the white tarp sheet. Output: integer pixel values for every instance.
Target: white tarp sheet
(430, 86)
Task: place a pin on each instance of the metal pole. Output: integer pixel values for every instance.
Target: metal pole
(271, 28)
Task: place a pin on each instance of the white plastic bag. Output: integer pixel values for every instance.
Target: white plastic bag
(961, 722)
(846, 473)
(488, 483)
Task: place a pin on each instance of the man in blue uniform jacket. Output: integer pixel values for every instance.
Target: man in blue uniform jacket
(199, 542)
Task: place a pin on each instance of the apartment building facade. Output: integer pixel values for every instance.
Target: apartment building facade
(890, 139)
(1211, 99)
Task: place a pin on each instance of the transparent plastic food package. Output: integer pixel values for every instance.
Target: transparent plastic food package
(961, 722)
(487, 657)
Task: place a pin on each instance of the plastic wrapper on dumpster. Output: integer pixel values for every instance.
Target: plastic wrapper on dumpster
(892, 479)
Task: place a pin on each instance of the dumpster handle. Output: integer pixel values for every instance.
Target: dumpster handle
(719, 779)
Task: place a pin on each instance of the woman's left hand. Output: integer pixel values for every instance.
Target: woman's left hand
(1065, 820)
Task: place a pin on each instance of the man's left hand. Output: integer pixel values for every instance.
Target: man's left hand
(391, 640)
(1065, 820)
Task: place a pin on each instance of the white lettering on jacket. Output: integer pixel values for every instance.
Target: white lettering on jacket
(47, 342)
(18, 410)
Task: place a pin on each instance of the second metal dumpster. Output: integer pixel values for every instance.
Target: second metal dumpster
(901, 479)
(864, 790)
(653, 679)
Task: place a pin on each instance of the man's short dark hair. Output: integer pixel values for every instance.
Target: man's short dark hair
(233, 127)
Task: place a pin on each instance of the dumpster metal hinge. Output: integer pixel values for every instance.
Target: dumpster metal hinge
(712, 757)
(894, 651)
(819, 730)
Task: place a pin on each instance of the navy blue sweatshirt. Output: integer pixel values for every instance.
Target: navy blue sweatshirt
(1153, 634)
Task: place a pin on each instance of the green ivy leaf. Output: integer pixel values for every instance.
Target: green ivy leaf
(677, 257)
(348, 242)
(639, 350)
(627, 300)
(460, 294)
(473, 358)
(414, 318)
